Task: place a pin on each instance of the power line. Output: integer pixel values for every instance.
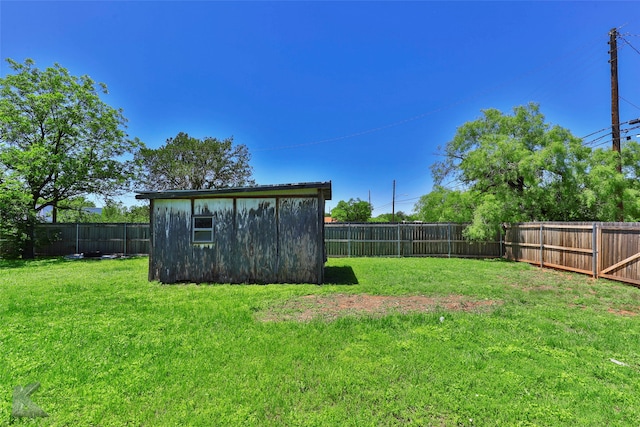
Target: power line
(597, 139)
(630, 45)
(596, 132)
(439, 109)
(629, 102)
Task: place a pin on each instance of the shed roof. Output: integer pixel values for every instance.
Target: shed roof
(304, 188)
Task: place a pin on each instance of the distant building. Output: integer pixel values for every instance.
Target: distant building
(261, 234)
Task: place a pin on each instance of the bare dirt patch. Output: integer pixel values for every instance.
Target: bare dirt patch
(331, 307)
(622, 312)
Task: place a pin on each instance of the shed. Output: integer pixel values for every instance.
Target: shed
(260, 234)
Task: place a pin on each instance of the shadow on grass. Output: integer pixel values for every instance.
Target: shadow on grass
(22, 263)
(340, 276)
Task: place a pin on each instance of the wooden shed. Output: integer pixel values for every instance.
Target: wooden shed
(261, 234)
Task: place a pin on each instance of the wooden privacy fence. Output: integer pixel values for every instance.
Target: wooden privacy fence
(600, 249)
(608, 250)
(108, 238)
(341, 240)
(405, 240)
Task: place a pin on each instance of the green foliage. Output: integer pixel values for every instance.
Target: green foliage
(15, 215)
(110, 348)
(443, 205)
(355, 210)
(118, 212)
(517, 168)
(76, 210)
(59, 139)
(187, 163)
(399, 216)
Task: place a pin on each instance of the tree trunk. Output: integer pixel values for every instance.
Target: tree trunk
(29, 247)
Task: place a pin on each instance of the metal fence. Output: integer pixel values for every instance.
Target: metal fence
(406, 240)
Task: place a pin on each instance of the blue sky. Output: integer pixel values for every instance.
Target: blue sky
(359, 93)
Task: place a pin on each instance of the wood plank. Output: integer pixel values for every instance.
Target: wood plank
(620, 264)
(524, 245)
(567, 227)
(564, 267)
(635, 282)
(569, 249)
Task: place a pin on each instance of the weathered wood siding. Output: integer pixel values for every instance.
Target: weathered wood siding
(255, 240)
(300, 232)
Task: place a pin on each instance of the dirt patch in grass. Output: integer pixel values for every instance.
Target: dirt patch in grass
(622, 312)
(330, 307)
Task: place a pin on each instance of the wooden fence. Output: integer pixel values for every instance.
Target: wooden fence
(405, 240)
(600, 249)
(608, 250)
(108, 238)
(341, 240)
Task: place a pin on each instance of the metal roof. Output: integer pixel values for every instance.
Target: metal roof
(258, 190)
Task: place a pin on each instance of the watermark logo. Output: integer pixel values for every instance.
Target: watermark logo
(22, 404)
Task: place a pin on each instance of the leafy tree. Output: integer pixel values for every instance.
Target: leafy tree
(444, 205)
(188, 163)
(397, 217)
(14, 215)
(352, 211)
(518, 168)
(118, 212)
(77, 210)
(59, 140)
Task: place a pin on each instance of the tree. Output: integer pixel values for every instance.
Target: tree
(352, 211)
(14, 215)
(118, 212)
(518, 168)
(188, 163)
(77, 209)
(397, 217)
(59, 140)
(444, 205)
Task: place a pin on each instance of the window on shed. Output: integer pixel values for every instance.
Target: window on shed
(202, 230)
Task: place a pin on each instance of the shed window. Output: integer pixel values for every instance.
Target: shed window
(202, 229)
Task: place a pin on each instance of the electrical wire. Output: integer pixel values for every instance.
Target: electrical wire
(629, 44)
(593, 141)
(444, 107)
(629, 102)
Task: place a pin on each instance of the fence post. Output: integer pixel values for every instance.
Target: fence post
(124, 241)
(541, 245)
(449, 238)
(594, 245)
(77, 238)
(348, 240)
(399, 254)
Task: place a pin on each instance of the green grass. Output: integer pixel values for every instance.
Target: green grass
(110, 348)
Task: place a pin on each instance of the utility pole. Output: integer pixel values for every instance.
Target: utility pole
(615, 113)
(393, 203)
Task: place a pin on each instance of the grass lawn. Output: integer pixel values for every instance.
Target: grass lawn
(490, 343)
